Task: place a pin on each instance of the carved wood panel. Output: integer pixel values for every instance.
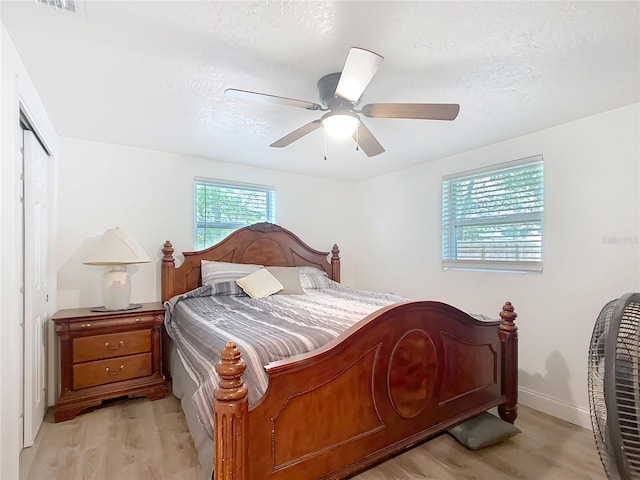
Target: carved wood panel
(412, 373)
(467, 367)
(291, 442)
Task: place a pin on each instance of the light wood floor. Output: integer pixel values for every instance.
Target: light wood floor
(139, 439)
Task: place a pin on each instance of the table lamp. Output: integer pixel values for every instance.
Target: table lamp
(115, 250)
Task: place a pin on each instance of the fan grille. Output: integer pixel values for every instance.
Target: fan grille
(627, 392)
(597, 403)
(614, 387)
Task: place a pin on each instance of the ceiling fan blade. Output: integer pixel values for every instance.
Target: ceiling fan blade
(421, 111)
(367, 142)
(264, 97)
(359, 69)
(296, 134)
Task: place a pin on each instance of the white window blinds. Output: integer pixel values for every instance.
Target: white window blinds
(220, 208)
(492, 219)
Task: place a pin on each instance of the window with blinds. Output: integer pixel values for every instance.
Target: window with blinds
(221, 208)
(492, 218)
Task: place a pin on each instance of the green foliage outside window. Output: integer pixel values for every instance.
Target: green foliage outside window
(221, 209)
(493, 218)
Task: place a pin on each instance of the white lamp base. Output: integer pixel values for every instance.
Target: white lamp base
(116, 288)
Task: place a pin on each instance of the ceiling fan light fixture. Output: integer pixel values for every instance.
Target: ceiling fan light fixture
(340, 125)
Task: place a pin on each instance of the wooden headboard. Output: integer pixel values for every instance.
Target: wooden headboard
(262, 243)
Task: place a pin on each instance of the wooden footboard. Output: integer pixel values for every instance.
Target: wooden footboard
(401, 375)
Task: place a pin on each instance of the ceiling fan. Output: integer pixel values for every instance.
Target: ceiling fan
(340, 93)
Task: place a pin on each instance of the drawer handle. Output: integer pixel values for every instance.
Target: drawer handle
(117, 347)
(85, 325)
(114, 373)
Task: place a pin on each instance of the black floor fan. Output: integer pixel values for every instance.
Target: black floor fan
(614, 387)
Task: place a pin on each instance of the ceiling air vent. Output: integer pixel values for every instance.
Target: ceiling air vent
(71, 6)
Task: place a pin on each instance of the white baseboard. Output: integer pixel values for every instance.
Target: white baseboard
(552, 406)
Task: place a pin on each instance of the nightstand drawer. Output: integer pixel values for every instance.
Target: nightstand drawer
(100, 372)
(101, 322)
(99, 347)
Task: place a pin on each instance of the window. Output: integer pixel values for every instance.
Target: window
(221, 208)
(492, 218)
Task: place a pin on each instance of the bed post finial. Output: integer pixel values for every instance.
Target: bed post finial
(335, 263)
(231, 415)
(167, 252)
(508, 332)
(508, 316)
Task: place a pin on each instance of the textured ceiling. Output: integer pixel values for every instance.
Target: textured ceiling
(152, 74)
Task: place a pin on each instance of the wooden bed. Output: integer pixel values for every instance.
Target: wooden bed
(401, 375)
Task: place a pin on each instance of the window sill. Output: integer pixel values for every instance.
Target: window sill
(495, 266)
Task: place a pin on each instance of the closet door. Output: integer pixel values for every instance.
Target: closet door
(36, 258)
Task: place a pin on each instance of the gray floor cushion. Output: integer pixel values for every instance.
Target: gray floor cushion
(483, 431)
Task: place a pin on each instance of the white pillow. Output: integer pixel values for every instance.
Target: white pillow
(213, 272)
(260, 284)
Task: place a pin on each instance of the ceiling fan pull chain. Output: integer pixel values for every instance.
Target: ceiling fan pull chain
(325, 144)
(358, 138)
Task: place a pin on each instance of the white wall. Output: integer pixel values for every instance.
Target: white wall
(591, 252)
(16, 91)
(150, 194)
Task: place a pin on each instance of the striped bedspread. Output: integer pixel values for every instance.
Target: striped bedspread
(265, 330)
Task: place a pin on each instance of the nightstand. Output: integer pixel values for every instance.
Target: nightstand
(106, 355)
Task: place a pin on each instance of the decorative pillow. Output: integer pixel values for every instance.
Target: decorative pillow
(260, 284)
(312, 278)
(483, 431)
(225, 288)
(218, 272)
(289, 277)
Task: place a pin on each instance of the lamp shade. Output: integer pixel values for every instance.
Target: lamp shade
(117, 247)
